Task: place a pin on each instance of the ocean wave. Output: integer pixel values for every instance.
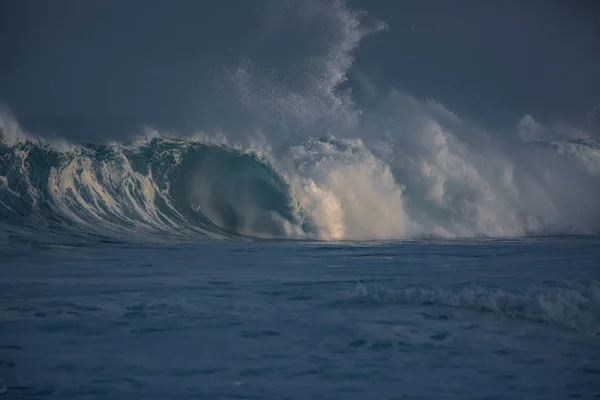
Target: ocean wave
(322, 188)
(574, 306)
(165, 186)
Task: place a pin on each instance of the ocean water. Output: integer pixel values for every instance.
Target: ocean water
(177, 267)
(321, 236)
(491, 319)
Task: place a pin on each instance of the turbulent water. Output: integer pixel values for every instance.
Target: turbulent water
(337, 240)
(321, 189)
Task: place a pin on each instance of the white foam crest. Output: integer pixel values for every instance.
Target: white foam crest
(574, 306)
(348, 193)
(457, 183)
(148, 135)
(256, 144)
(589, 157)
(462, 180)
(11, 133)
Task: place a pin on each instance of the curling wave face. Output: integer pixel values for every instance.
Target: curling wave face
(164, 186)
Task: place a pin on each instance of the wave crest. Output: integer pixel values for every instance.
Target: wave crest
(166, 186)
(574, 306)
(323, 188)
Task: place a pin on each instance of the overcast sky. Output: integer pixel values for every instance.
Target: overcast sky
(494, 60)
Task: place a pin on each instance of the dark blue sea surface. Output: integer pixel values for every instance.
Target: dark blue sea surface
(493, 319)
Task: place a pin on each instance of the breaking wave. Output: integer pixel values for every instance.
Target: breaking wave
(325, 189)
(333, 160)
(163, 186)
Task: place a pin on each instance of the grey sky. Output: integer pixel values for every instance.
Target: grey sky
(490, 60)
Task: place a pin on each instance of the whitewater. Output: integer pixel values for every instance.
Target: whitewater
(324, 188)
(335, 239)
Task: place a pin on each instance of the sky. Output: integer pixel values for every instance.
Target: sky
(493, 61)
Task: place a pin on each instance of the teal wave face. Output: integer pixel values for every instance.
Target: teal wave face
(166, 186)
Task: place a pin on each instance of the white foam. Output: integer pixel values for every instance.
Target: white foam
(574, 306)
(348, 192)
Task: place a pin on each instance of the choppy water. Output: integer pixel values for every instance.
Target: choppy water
(273, 320)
